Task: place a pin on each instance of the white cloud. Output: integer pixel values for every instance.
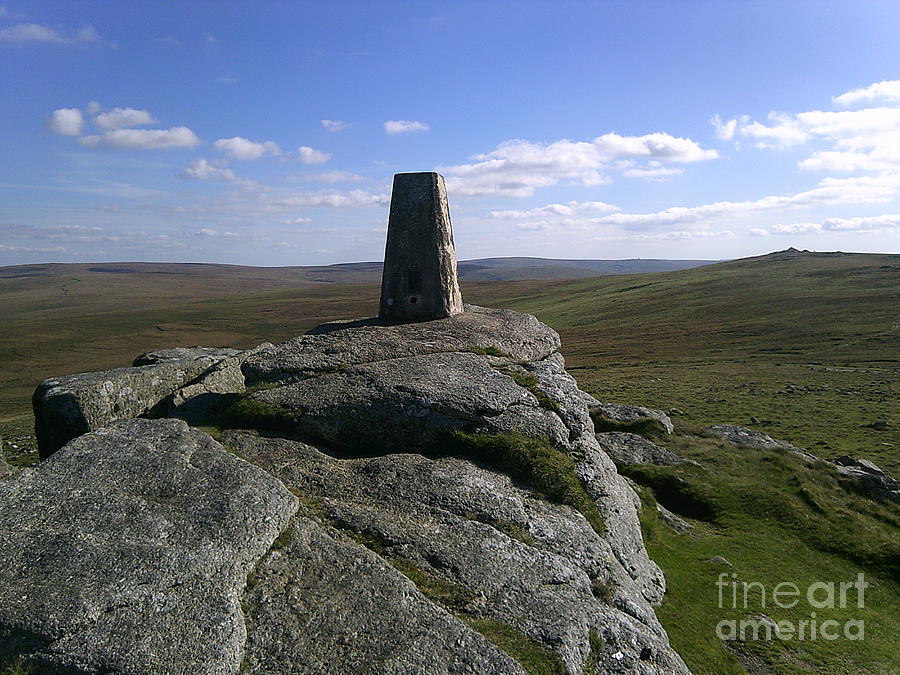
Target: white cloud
(334, 125)
(871, 224)
(759, 232)
(212, 232)
(887, 90)
(658, 173)
(724, 130)
(118, 118)
(66, 122)
(796, 228)
(31, 32)
(783, 132)
(227, 79)
(297, 221)
(563, 210)
(143, 139)
(93, 107)
(244, 149)
(516, 168)
(864, 223)
(394, 127)
(309, 155)
(202, 169)
(331, 199)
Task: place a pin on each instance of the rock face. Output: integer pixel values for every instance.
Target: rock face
(617, 417)
(129, 551)
(627, 448)
(355, 537)
(66, 407)
(419, 280)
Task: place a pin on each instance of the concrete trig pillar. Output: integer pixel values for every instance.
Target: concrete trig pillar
(419, 281)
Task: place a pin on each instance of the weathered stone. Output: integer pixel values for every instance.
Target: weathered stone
(535, 566)
(677, 523)
(618, 417)
(412, 404)
(626, 448)
(511, 335)
(737, 435)
(870, 477)
(419, 280)
(196, 399)
(183, 354)
(321, 603)
(66, 407)
(128, 552)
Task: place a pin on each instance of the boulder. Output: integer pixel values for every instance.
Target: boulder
(411, 403)
(203, 394)
(737, 435)
(505, 335)
(870, 478)
(626, 448)
(618, 417)
(66, 407)
(129, 551)
(511, 557)
(183, 354)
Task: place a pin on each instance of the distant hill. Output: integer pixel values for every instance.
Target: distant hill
(485, 269)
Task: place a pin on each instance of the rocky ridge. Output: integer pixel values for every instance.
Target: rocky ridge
(425, 497)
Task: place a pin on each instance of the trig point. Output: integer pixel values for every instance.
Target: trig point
(419, 280)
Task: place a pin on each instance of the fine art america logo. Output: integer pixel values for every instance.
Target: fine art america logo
(821, 595)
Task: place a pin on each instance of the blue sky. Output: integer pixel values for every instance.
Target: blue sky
(267, 133)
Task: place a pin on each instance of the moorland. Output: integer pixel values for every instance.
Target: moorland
(802, 346)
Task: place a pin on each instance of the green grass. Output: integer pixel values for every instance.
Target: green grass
(534, 658)
(16, 667)
(529, 381)
(776, 519)
(534, 462)
(487, 351)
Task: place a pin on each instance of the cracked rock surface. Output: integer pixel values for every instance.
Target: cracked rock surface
(128, 552)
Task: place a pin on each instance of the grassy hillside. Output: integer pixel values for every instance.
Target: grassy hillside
(805, 347)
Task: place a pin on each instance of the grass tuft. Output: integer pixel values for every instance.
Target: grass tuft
(534, 462)
(534, 658)
(487, 351)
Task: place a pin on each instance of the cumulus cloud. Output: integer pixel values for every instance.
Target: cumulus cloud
(518, 167)
(24, 33)
(656, 173)
(202, 169)
(886, 90)
(884, 224)
(563, 210)
(143, 139)
(309, 155)
(119, 118)
(93, 107)
(724, 130)
(66, 122)
(394, 127)
(245, 149)
(334, 125)
(212, 232)
(867, 139)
